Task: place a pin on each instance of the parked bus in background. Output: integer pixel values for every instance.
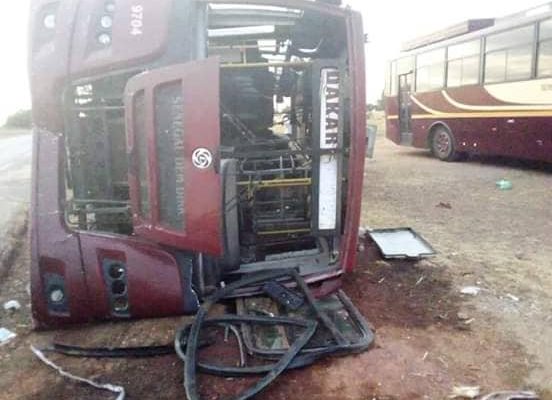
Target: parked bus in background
(482, 86)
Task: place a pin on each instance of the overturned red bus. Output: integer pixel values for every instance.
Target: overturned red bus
(483, 86)
(181, 144)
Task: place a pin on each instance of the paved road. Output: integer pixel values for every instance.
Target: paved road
(15, 175)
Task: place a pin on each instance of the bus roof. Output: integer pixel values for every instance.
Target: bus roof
(450, 32)
(475, 28)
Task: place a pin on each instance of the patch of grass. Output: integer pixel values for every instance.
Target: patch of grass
(13, 243)
(22, 119)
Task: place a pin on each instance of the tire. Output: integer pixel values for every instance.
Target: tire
(443, 145)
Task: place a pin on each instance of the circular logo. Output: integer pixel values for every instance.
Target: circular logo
(202, 158)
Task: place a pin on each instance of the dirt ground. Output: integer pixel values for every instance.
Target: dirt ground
(430, 337)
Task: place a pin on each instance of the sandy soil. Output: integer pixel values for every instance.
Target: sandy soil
(430, 337)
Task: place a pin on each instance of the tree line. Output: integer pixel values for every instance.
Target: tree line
(21, 119)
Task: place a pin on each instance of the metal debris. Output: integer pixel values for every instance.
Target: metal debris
(513, 298)
(12, 305)
(444, 205)
(6, 336)
(462, 316)
(119, 390)
(523, 395)
(401, 243)
(465, 392)
(297, 355)
(471, 290)
(504, 184)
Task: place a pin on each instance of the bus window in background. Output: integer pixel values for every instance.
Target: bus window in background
(463, 63)
(508, 55)
(544, 61)
(430, 70)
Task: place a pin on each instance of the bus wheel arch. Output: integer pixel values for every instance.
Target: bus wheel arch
(442, 143)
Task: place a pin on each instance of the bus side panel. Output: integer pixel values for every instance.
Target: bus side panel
(539, 139)
(420, 131)
(392, 119)
(128, 277)
(492, 130)
(68, 285)
(471, 134)
(528, 138)
(58, 285)
(349, 244)
(475, 136)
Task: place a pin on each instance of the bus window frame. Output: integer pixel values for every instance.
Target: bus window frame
(388, 77)
(532, 75)
(538, 43)
(462, 58)
(394, 80)
(444, 68)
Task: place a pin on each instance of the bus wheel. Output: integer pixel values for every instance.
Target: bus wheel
(442, 145)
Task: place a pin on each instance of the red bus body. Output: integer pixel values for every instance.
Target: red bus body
(87, 263)
(505, 109)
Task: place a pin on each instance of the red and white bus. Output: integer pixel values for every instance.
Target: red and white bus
(482, 86)
(182, 144)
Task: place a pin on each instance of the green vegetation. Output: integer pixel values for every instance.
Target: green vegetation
(22, 119)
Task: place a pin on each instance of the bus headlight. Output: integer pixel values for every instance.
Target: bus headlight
(104, 39)
(110, 7)
(57, 295)
(50, 21)
(106, 22)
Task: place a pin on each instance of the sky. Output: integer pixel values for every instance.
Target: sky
(14, 87)
(388, 23)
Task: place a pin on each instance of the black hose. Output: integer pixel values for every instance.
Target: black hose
(190, 367)
(273, 275)
(273, 372)
(115, 352)
(183, 333)
(191, 362)
(106, 352)
(328, 323)
(238, 372)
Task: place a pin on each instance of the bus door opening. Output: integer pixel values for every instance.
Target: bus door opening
(405, 115)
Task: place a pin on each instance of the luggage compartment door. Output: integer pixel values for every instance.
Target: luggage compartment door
(173, 137)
